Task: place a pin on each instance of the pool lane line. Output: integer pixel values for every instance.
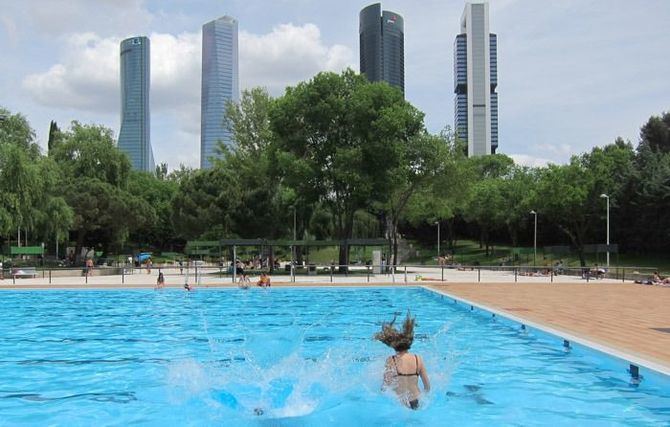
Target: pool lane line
(630, 358)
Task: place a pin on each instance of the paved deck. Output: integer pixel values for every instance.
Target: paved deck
(632, 318)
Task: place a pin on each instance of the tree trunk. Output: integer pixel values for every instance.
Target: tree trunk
(576, 241)
(344, 257)
(394, 237)
(345, 234)
(81, 234)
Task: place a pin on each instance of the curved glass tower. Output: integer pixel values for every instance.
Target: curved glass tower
(382, 46)
(135, 120)
(220, 84)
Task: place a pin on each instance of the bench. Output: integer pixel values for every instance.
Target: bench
(24, 272)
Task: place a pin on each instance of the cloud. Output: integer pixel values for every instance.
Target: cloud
(562, 151)
(287, 55)
(527, 160)
(87, 77)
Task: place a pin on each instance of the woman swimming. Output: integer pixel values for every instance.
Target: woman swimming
(402, 370)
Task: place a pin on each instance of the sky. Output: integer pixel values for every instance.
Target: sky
(572, 74)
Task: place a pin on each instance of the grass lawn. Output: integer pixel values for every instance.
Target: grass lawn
(468, 252)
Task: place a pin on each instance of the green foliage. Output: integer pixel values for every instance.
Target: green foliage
(338, 140)
(94, 176)
(204, 204)
(89, 151)
(158, 193)
(249, 122)
(655, 134)
(15, 131)
(348, 158)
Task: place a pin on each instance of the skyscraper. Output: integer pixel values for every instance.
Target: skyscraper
(475, 81)
(219, 84)
(135, 120)
(382, 46)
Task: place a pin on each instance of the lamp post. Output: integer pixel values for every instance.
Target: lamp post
(293, 254)
(534, 239)
(605, 196)
(438, 239)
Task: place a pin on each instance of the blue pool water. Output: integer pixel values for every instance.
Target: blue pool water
(304, 357)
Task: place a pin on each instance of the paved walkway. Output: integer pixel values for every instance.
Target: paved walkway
(633, 318)
(359, 274)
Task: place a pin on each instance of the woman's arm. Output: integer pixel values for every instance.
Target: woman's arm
(424, 375)
(388, 374)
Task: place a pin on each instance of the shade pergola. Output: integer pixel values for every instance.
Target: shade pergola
(217, 247)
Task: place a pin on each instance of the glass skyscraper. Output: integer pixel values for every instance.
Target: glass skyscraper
(382, 46)
(476, 80)
(220, 84)
(134, 136)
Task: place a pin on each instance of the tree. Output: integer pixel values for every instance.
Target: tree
(444, 197)
(158, 193)
(19, 184)
(424, 159)
(19, 173)
(94, 184)
(204, 204)
(639, 211)
(655, 134)
(55, 136)
(517, 191)
(486, 208)
(261, 196)
(53, 216)
(249, 122)
(486, 205)
(336, 140)
(15, 130)
(569, 195)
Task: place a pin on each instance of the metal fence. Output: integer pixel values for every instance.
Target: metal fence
(213, 274)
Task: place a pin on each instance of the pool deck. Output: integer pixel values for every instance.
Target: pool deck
(634, 319)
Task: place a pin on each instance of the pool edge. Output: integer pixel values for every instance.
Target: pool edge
(630, 358)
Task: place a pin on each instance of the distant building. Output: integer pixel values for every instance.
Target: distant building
(382, 46)
(220, 84)
(475, 81)
(134, 136)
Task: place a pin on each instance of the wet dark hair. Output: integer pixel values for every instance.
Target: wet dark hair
(392, 337)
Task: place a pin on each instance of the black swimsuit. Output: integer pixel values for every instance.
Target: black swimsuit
(414, 404)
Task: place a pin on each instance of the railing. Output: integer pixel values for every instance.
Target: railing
(330, 273)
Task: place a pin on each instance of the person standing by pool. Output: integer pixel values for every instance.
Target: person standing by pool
(402, 370)
(160, 282)
(89, 266)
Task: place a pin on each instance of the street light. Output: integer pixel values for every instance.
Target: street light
(534, 239)
(293, 254)
(438, 239)
(605, 196)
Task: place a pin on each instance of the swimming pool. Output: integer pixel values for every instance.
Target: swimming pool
(302, 356)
